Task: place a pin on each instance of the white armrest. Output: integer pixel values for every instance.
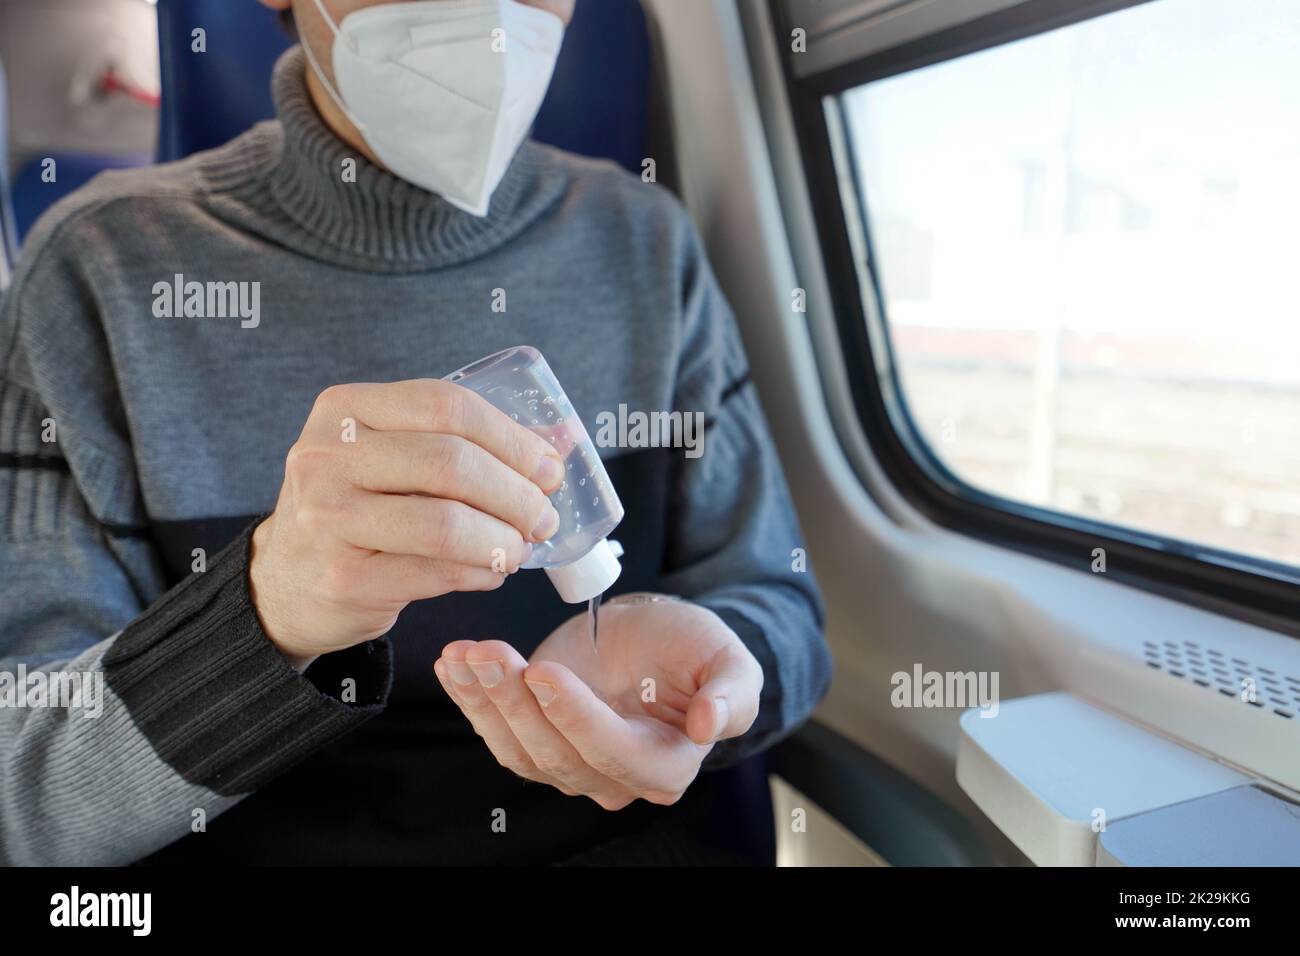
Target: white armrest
(1051, 770)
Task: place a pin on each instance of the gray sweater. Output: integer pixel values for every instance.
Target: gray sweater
(143, 427)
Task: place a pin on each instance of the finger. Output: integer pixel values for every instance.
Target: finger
(429, 528)
(649, 758)
(428, 405)
(451, 467)
(462, 687)
(500, 670)
(727, 702)
(407, 578)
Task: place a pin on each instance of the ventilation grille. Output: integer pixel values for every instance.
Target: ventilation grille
(1215, 670)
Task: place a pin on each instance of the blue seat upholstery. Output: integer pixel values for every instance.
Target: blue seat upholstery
(599, 101)
(598, 104)
(210, 98)
(32, 195)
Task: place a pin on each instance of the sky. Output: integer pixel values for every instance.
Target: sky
(1172, 129)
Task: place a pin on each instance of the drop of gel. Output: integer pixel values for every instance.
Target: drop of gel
(593, 612)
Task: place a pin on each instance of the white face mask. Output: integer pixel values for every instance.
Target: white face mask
(444, 91)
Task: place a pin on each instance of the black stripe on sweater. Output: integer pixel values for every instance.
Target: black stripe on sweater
(17, 462)
(127, 531)
(728, 393)
(734, 387)
(10, 459)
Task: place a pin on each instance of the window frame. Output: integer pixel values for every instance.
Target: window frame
(1254, 590)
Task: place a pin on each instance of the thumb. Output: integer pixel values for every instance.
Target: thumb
(727, 702)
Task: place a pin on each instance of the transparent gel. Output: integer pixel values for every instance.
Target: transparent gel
(578, 559)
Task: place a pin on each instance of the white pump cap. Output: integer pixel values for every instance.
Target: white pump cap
(592, 574)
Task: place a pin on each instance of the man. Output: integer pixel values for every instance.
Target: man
(298, 654)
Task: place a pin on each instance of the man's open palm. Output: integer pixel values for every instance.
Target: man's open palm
(633, 718)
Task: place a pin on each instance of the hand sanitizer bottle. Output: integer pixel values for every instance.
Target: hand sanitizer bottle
(578, 559)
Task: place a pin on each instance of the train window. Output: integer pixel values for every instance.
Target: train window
(1083, 246)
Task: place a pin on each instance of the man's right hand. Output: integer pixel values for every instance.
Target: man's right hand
(394, 493)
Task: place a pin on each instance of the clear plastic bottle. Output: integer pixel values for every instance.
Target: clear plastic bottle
(578, 559)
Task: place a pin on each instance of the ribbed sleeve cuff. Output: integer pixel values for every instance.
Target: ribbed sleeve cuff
(768, 725)
(214, 697)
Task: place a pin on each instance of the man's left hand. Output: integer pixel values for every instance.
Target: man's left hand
(633, 719)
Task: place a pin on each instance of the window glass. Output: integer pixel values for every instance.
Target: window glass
(1087, 245)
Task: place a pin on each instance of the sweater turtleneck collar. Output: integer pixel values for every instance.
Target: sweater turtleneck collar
(380, 222)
